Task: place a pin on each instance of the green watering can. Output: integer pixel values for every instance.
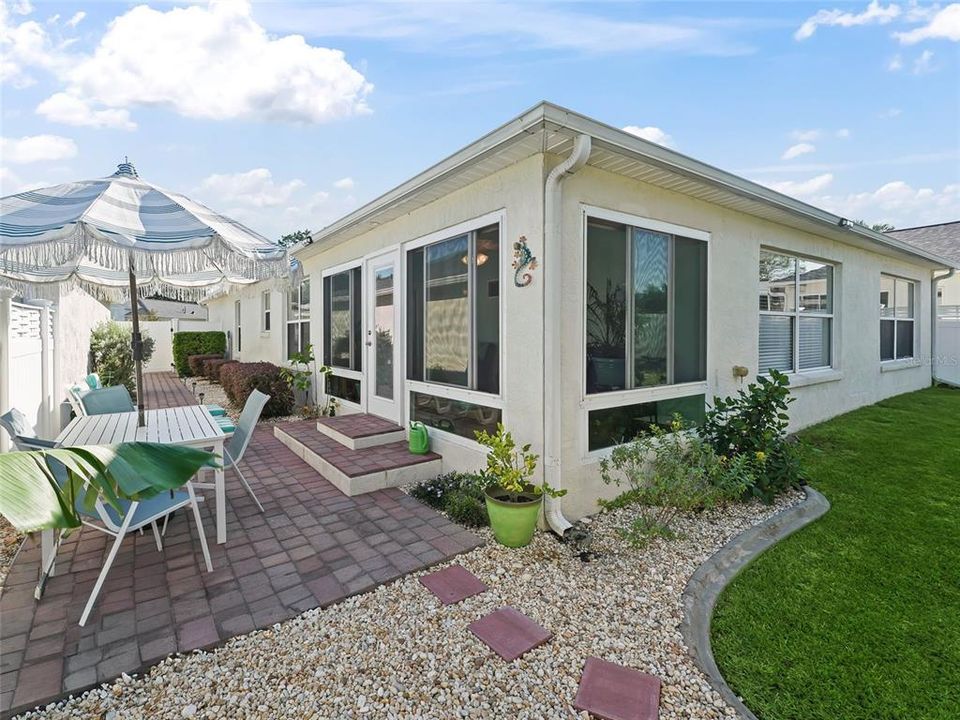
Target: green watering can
(419, 440)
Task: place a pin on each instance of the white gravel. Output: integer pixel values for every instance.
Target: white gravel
(10, 541)
(396, 652)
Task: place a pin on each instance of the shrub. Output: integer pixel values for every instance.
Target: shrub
(668, 471)
(211, 368)
(239, 379)
(185, 344)
(460, 495)
(753, 425)
(195, 363)
(111, 354)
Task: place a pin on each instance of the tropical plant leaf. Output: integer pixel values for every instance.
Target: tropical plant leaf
(44, 489)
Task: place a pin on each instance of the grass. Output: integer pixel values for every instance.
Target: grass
(857, 617)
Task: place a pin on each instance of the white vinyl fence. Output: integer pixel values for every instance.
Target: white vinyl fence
(947, 366)
(162, 333)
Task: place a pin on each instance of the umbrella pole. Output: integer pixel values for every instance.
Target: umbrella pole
(137, 342)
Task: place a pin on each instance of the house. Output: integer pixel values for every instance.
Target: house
(944, 240)
(578, 283)
(161, 309)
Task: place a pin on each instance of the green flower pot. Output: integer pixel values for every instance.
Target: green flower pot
(513, 523)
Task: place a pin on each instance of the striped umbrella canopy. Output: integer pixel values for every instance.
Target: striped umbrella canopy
(121, 236)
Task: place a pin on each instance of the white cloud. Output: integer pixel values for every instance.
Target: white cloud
(69, 109)
(843, 133)
(76, 19)
(36, 148)
(924, 63)
(898, 203)
(344, 184)
(802, 188)
(797, 150)
(651, 133)
(944, 25)
(805, 135)
(895, 64)
(874, 13)
(255, 188)
(22, 45)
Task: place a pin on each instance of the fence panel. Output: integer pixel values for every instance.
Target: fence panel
(26, 362)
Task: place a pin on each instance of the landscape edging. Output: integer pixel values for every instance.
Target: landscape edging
(706, 584)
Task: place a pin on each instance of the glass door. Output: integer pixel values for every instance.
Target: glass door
(381, 336)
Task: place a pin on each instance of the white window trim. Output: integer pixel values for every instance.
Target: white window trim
(633, 396)
(820, 370)
(911, 361)
(287, 321)
(266, 311)
(329, 272)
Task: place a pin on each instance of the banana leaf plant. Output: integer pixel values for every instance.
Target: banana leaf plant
(40, 489)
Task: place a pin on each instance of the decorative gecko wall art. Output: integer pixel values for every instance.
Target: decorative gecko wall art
(524, 263)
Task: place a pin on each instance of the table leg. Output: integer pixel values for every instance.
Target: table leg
(221, 497)
(47, 546)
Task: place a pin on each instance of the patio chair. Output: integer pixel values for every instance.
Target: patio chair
(236, 446)
(114, 399)
(22, 435)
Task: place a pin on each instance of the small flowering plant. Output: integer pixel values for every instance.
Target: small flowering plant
(511, 468)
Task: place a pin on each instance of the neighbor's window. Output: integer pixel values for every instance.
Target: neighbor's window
(265, 311)
(796, 313)
(897, 318)
(298, 318)
(453, 311)
(646, 308)
(237, 317)
(342, 341)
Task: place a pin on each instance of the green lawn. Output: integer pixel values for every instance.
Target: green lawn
(857, 616)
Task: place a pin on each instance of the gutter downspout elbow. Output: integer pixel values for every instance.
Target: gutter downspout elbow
(553, 326)
(933, 322)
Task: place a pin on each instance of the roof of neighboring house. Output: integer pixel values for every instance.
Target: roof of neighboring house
(168, 309)
(549, 128)
(942, 239)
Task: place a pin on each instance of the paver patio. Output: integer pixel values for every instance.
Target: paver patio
(313, 546)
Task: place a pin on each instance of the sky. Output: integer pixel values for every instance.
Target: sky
(287, 115)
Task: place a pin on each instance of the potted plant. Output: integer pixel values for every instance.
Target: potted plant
(513, 502)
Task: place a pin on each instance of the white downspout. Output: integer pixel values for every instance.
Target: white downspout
(933, 321)
(553, 326)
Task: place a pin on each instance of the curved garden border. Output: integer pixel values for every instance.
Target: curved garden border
(700, 595)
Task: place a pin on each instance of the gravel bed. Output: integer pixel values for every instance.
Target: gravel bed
(396, 652)
(10, 541)
(213, 394)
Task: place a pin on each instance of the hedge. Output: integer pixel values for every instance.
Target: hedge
(211, 368)
(185, 344)
(239, 379)
(195, 363)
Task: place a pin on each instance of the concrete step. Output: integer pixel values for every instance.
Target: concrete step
(354, 472)
(360, 430)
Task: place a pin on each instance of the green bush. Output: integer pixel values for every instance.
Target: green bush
(185, 344)
(669, 471)
(111, 354)
(753, 426)
(460, 495)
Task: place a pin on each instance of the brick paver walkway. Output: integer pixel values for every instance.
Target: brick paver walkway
(312, 547)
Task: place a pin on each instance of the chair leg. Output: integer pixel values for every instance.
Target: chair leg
(196, 517)
(246, 485)
(156, 534)
(106, 566)
(164, 531)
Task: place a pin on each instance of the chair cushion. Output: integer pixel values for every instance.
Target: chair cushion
(215, 410)
(152, 507)
(93, 381)
(114, 399)
(226, 424)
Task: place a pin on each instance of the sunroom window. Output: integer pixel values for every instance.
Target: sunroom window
(453, 311)
(646, 308)
(897, 318)
(342, 341)
(796, 313)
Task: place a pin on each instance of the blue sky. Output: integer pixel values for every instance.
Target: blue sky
(288, 115)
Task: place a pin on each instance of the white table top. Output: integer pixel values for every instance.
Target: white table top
(187, 425)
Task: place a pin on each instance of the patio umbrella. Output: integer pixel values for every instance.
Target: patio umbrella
(122, 237)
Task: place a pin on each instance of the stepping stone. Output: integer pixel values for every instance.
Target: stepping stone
(452, 584)
(509, 633)
(614, 692)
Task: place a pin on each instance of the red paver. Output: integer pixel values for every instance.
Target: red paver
(614, 692)
(359, 425)
(453, 584)
(509, 633)
(313, 546)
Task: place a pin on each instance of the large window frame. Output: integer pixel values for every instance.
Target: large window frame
(453, 392)
(896, 320)
(635, 395)
(297, 318)
(350, 375)
(797, 313)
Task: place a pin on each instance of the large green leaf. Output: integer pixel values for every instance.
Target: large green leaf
(39, 489)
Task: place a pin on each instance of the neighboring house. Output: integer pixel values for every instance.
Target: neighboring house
(944, 240)
(156, 309)
(578, 283)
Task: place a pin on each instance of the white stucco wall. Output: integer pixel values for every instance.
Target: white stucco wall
(257, 344)
(79, 313)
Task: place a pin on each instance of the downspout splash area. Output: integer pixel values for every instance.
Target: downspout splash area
(933, 325)
(553, 326)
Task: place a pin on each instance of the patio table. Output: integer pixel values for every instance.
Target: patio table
(189, 425)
